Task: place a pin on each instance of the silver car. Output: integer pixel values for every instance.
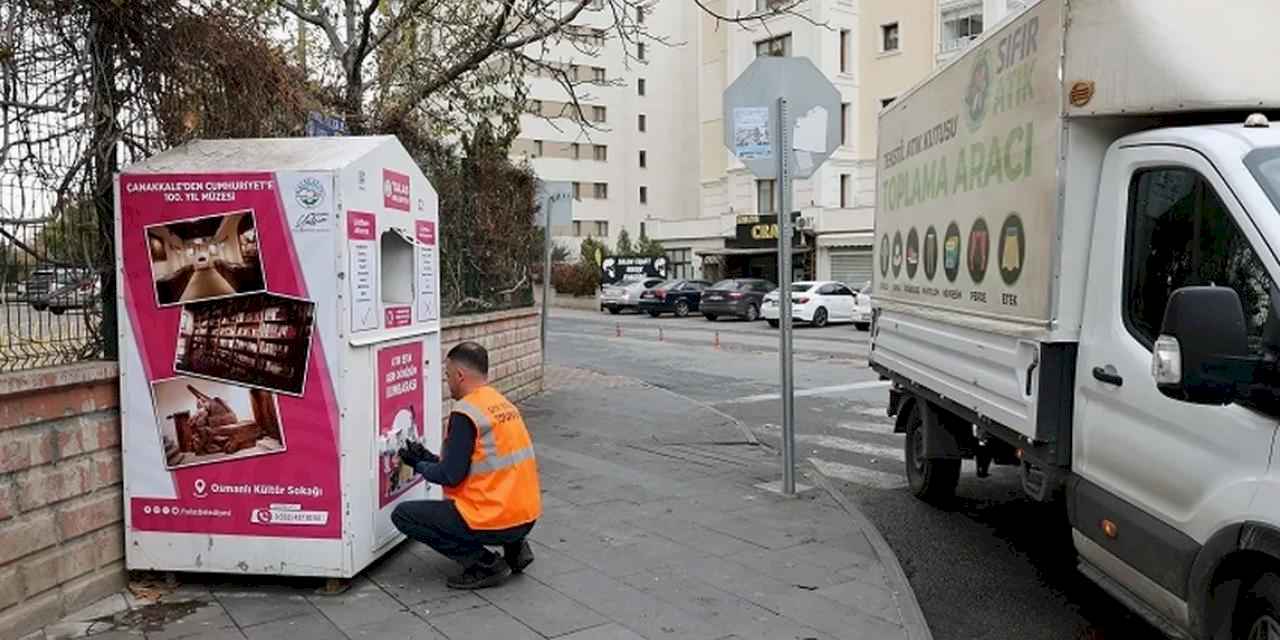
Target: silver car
(625, 295)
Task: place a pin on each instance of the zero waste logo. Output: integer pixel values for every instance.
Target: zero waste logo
(977, 96)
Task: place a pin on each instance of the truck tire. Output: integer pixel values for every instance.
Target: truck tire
(1258, 613)
(931, 479)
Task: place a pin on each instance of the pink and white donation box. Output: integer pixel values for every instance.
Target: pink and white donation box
(279, 319)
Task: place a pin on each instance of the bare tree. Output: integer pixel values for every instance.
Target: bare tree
(451, 63)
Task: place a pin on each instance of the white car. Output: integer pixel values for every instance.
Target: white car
(817, 303)
(625, 295)
(862, 309)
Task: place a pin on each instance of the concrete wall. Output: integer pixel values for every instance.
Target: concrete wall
(61, 518)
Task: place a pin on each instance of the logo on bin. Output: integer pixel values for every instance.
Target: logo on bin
(395, 190)
(309, 193)
(201, 487)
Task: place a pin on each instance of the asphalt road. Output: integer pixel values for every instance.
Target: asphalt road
(995, 565)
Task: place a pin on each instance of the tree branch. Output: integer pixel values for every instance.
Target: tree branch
(319, 20)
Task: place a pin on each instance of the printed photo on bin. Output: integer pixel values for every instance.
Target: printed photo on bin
(260, 340)
(205, 258)
(395, 476)
(203, 421)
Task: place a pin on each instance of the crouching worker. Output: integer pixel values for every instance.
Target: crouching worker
(489, 476)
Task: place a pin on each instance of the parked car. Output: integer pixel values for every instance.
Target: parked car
(740, 297)
(625, 295)
(680, 297)
(84, 293)
(862, 309)
(816, 303)
(45, 280)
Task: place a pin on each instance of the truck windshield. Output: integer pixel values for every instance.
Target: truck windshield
(1264, 164)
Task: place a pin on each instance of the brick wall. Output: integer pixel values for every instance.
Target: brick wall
(61, 519)
(514, 343)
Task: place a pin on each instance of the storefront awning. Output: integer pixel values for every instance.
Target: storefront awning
(855, 239)
(755, 251)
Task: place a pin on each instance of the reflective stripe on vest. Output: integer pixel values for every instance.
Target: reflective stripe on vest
(494, 463)
(484, 427)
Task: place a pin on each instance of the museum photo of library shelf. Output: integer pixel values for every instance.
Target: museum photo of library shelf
(261, 340)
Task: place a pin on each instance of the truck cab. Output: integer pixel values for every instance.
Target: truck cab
(1173, 488)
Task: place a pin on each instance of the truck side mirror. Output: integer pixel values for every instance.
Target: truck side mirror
(1202, 353)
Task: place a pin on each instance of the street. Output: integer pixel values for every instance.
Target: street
(995, 565)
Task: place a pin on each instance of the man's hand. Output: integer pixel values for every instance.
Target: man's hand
(414, 453)
(409, 457)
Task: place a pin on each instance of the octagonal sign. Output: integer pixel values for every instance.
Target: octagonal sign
(751, 115)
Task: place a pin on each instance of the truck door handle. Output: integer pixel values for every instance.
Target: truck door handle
(1109, 375)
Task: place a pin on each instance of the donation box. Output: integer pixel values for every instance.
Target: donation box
(279, 341)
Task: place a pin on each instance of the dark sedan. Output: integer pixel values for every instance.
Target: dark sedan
(673, 296)
(739, 297)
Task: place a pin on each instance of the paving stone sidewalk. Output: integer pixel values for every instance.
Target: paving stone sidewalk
(653, 527)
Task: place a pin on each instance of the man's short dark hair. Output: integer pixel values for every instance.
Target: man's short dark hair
(472, 356)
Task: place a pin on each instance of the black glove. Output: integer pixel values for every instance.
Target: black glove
(422, 452)
(409, 457)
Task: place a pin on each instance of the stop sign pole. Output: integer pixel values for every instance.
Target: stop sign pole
(784, 301)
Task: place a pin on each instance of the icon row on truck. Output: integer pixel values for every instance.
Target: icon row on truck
(1132, 369)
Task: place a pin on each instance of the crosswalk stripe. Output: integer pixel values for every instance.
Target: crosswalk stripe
(854, 446)
(817, 391)
(868, 427)
(859, 475)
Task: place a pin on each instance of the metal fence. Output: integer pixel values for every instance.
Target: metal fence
(51, 247)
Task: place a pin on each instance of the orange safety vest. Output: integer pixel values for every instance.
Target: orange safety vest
(501, 490)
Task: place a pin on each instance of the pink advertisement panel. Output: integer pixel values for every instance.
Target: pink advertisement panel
(395, 190)
(244, 415)
(401, 411)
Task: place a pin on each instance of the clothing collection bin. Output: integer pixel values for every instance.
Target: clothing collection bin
(279, 342)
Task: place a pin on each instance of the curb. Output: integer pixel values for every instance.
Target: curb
(912, 617)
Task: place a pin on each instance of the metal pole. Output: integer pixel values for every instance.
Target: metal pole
(546, 282)
(784, 300)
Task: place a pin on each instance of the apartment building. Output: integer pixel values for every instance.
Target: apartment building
(730, 234)
(632, 161)
(960, 22)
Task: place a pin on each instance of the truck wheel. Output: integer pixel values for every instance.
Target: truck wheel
(1258, 614)
(931, 479)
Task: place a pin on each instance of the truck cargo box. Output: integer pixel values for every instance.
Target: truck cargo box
(988, 175)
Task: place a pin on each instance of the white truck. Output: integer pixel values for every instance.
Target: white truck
(1078, 240)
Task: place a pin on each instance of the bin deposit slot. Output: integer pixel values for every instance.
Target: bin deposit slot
(396, 267)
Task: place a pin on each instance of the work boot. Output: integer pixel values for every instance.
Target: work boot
(518, 555)
(490, 572)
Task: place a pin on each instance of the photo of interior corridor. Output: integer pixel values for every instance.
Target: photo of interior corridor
(204, 258)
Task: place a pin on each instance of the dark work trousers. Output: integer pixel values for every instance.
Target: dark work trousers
(437, 524)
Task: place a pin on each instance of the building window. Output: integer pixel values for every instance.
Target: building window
(640, 86)
(777, 47)
(890, 37)
(600, 152)
(598, 114)
(844, 123)
(644, 195)
(765, 196)
(884, 102)
(577, 192)
(844, 51)
(640, 15)
(601, 191)
(577, 228)
(597, 5)
(679, 263)
(640, 51)
(537, 148)
(644, 160)
(597, 74)
(763, 6)
(959, 30)
(641, 122)
(602, 228)
(844, 190)
(576, 150)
